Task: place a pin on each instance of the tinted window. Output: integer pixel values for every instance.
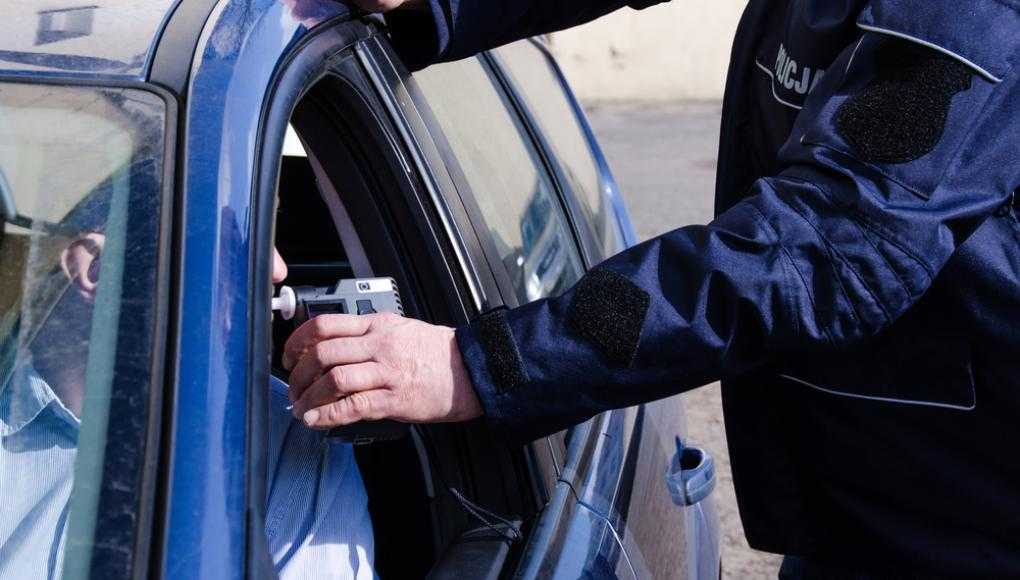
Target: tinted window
(80, 172)
(544, 95)
(517, 199)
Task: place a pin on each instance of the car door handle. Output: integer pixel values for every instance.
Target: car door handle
(691, 474)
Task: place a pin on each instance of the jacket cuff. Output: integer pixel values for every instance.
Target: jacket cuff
(420, 36)
(498, 405)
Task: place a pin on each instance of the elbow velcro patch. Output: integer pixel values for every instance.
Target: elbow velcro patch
(901, 115)
(501, 353)
(610, 310)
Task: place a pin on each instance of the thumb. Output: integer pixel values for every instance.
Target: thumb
(362, 406)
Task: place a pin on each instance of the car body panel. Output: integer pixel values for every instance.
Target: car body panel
(232, 77)
(72, 38)
(625, 481)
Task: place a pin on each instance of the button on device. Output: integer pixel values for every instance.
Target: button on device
(365, 307)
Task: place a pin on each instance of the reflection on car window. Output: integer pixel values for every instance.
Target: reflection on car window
(506, 175)
(546, 99)
(80, 172)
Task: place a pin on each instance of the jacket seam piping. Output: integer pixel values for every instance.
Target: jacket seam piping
(928, 44)
(894, 400)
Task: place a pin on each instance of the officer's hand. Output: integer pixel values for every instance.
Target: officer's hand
(347, 368)
(387, 5)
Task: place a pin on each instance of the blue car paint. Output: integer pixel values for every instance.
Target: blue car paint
(622, 429)
(113, 42)
(239, 52)
(237, 57)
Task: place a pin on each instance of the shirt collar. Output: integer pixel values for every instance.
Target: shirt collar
(24, 398)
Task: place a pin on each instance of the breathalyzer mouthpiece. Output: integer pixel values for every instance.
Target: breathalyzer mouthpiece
(286, 302)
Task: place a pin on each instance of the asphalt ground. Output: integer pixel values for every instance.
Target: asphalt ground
(664, 158)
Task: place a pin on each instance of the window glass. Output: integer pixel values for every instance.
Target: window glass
(549, 103)
(80, 193)
(516, 196)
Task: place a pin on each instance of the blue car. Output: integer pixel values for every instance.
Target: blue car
(196, 135)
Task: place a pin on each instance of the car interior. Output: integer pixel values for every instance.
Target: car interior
(440, 497)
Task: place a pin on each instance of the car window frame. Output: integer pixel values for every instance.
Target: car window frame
(430, 153)
(471, 282)
(590, 247)
(468, 195)
(423, 134)
(305, 66)
(547, 453)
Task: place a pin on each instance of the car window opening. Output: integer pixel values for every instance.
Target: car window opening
(333, 223)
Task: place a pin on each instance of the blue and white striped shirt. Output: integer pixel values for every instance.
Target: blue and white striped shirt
(317, 522)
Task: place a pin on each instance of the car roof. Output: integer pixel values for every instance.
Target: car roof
(102, 38)
(114, 39)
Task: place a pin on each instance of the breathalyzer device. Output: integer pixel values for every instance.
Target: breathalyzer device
(348, 296)
(357, 296)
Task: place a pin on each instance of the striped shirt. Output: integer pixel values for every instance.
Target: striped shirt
(317, 522)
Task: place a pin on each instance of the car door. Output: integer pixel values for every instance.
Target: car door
(515, 207)
(370, 146)
(662, 539)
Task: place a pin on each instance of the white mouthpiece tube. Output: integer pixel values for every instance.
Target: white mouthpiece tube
(286, 302)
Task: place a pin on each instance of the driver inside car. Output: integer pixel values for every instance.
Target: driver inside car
(317, 519)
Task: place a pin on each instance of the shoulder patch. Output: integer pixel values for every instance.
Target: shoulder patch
(610, 310)
(501, 352)
(901, 115)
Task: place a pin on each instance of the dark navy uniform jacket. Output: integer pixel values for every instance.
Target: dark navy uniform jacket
(857, 292)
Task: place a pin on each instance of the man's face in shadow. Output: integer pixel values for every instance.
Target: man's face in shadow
(62, 315)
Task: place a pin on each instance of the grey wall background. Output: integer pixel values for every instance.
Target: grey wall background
(676, 50)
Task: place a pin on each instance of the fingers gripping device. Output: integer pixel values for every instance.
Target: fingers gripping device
(359, 296)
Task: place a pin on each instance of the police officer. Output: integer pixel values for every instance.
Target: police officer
(857, 292)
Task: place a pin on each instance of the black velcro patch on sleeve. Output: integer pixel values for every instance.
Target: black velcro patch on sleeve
(901, 115)
(610, 310)
(501, 353)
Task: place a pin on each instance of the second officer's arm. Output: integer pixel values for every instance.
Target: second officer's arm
(446, 30)
(899, 155)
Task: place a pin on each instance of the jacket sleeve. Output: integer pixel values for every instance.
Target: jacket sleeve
(454, 29)
(891, 165)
